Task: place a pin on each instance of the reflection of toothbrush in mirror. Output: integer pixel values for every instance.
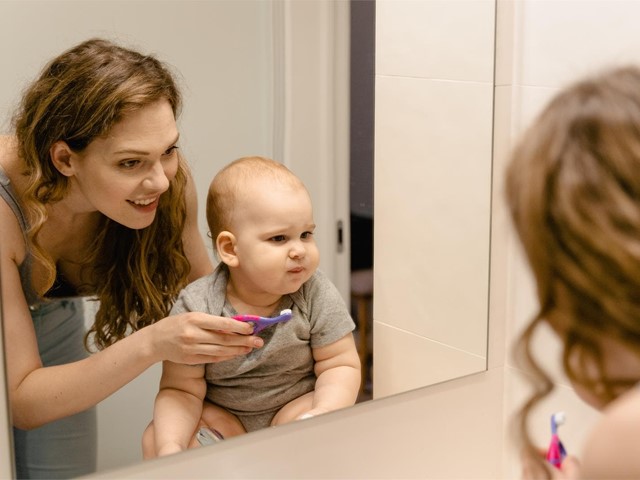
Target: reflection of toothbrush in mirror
(260, 323)
(556, 451)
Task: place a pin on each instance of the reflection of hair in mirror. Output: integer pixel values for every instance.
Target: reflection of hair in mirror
(78, 97)
(49, 178)
(573, 188)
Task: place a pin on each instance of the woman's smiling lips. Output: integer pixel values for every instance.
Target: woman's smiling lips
(145, 204)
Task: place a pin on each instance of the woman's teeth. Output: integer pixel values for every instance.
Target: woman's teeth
(144, 203)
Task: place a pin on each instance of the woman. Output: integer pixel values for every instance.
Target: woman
(97, 201)
(573, 188)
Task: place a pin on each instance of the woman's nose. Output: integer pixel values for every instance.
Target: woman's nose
(156, 178)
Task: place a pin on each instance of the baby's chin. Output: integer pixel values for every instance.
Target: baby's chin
(293, 289)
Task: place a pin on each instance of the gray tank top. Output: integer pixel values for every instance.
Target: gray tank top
(9, 196)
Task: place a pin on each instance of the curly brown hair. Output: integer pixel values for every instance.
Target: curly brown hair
(573, 188)
(79, 96)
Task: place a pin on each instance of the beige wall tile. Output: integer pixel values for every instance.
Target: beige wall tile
(433, 170)
(561, 40)
(435, 39)
(405, 361)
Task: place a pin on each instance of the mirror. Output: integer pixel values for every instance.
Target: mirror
(258, 77)
(6, 440)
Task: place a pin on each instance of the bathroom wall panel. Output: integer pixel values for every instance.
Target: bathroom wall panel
(561, 40)
(405, 361)
(504, 43)
(433, 170)
(419, 39)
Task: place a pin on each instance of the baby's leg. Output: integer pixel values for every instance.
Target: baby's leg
(213, 417)
(293, 409)
(148, 442)
(217, 418)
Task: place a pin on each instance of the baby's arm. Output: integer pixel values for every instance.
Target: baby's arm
(178, 406)
(337, 368)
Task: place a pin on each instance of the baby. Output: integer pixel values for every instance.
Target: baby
(261, 221)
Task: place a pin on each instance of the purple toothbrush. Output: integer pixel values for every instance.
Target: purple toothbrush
(260, 323)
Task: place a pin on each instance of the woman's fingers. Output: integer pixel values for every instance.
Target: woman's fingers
(571, 468)
(195, 337)
(221, 324)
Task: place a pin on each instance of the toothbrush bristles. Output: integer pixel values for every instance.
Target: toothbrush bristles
(559, 418)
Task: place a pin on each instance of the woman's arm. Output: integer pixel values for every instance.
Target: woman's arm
(178, 407)
(337, 368)
(39, 395)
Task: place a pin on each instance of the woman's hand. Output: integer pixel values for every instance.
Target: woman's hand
(195, 338)
(532, 469)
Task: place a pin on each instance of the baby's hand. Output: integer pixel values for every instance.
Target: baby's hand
(168, 449)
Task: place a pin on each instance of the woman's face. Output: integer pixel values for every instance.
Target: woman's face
(123, 174)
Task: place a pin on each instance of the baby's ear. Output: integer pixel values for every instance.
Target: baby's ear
(226, 247)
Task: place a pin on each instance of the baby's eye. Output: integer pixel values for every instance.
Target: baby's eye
(306, 235)
(278, 238)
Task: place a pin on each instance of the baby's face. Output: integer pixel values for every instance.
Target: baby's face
(276, 250)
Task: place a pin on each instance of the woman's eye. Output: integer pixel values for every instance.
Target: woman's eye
(128, 164)
(171, 150)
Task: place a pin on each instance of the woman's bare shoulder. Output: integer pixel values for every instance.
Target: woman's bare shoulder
(8, 151)
(611, 450)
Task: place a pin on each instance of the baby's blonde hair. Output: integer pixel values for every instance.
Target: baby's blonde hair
(234, 181)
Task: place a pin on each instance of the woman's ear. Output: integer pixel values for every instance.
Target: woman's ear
(226, 247)
(61, 157)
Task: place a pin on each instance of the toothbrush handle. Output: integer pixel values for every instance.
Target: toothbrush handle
(260, 323)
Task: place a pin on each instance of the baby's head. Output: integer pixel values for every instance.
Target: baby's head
(261, 219)
(241, 181)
